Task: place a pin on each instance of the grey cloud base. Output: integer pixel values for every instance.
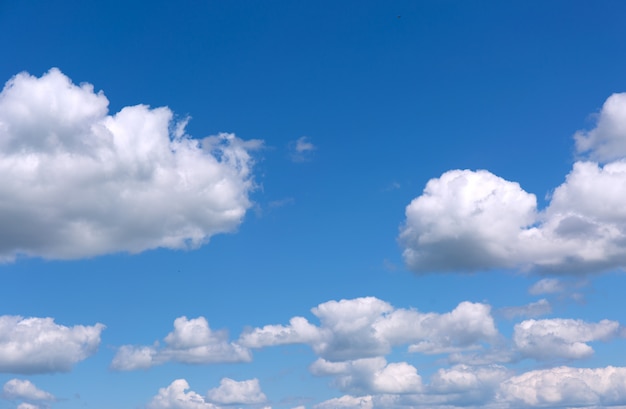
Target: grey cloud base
(78, 182)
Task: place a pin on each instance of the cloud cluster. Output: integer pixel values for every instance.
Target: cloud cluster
(78, 182)
(354, 337)
(368, 327)
(191, 342)
(39, 345)
(229, 392)
(497, 388)
(474, 220)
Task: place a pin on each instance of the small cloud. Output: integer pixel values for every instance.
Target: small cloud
(534, 309)
(281, 202)
(301, 149)
(392, 186)
(546, 286)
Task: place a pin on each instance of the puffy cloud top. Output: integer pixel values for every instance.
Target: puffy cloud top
(471, 220)
(607, 141)
(78, 182)
(191, 342)
(369, 327)
(233, 392)
(39, 345)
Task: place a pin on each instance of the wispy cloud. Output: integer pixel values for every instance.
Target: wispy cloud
(301, 150)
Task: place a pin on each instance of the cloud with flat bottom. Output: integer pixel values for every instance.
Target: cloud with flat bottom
(79, 182)
(39, 345)
(474, 220)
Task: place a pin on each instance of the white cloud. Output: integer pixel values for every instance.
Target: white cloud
(191, 342)
(175, 397)
(466, 220)
(369, 327)
(561, 338)
(39, 345)
(606, 142)
(347, 402)
(534, 309)
(370, 375)
(464, 327)
(346, 330)
(299, 331)
(565, 386)
(233, 392)
(547, 286)
(301, 149)
(25, 390)
(78, 182)
(472, 220)
(25, 405)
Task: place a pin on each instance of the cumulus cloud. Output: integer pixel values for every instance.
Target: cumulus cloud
(230, 392)
(468, 383)
(25, 390)
(301, 149)
(80, 182)
(347, 402)
(39, 345)
(191, 342)
(370, 375)
(233, 392)
(369, 327)
(175, 397)
(607, 141)
(551, 339)
(473, 220)
(565, 386)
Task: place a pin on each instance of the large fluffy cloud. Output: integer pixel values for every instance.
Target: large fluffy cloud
(191, 342)
(78, 182)
(471, 220)
(39, 345)
(369, 327)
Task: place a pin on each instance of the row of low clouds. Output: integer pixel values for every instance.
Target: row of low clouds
(396, 385)
(474, 220)
(351, 341)
(348, 330)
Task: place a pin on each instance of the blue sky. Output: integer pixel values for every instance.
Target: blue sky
(313, 205)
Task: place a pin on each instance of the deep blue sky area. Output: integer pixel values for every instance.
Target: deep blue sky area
(305, 260)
